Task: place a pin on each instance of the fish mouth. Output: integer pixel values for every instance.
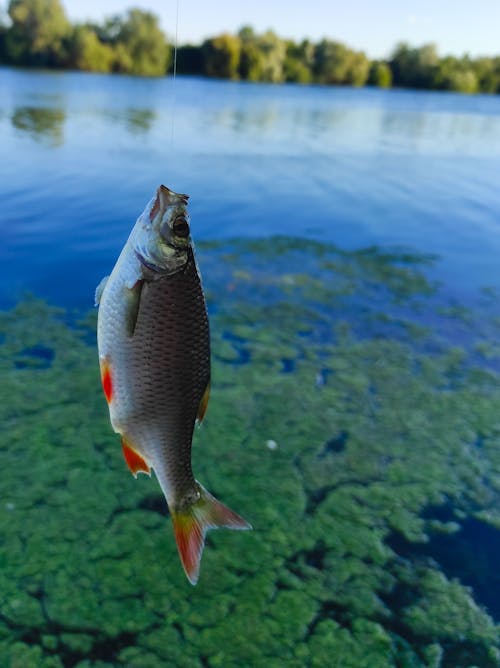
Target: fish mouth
(164, 199)
(168, 197)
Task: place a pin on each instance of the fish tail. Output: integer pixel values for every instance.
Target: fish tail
(191, 523)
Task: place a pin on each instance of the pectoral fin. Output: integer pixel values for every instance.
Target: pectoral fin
(202, 408)
(99, 290)
(133, 299)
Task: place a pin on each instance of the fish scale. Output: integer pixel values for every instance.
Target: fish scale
(154, 355)
(171, 351)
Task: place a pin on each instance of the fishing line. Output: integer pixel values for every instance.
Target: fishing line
(174, 71)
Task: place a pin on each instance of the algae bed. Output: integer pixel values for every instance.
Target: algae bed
(354, 420)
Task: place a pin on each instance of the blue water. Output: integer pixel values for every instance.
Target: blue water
(379, 497)
(82, 153)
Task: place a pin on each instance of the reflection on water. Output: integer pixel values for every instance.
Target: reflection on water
(372, 167)
(134, 121)
(41, 123)
(381, 404)
(140, 120)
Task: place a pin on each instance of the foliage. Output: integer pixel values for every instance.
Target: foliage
(221, 56)
(298, 62)
(414, 67)
(37, 33)
(380, 75)
(41, 35)
(141, 44)
(133, 43)
(488, 74)
(273, 51)
(87, 52)
(340, 424)
(454, 74)
(335, 63)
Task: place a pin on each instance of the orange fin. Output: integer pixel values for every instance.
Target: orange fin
(202, 408)
(106, 378)
(134, 460)
(192, 523)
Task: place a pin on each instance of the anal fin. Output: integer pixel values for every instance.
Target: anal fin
(134, 460)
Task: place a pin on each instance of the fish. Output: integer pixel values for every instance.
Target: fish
(154, 355)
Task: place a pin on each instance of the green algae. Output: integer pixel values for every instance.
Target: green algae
(377, 420)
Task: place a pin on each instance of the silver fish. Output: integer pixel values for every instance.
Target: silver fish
(154, 356)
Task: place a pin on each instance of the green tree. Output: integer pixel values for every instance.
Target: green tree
(221, 56)
(299, 61)
(487, 71)
(140, 44)
(455, 74)
(252, 62)
(335, 63)
(358, 69)
(87, 52)
(414, 67)
(273, 50)
(330, 62)
(37, 34)
(251, 67)
(263, 56)
(380, 75)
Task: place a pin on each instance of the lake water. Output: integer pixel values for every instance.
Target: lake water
(83, 152)
(349, 243)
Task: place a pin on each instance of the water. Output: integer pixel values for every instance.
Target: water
(348, 241)
(354, 167)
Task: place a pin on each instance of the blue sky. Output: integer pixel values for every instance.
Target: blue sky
(456, 26)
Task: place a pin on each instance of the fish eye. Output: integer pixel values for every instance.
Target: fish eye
(181, 227)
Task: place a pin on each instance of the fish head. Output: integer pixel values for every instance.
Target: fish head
(162, 236)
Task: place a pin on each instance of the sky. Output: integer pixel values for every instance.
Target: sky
(374, 26)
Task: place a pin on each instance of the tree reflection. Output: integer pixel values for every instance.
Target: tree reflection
(42, 124)
(139, 120)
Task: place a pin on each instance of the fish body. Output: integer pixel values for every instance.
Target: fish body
(154, 356)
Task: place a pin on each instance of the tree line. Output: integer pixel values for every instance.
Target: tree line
(37, 33)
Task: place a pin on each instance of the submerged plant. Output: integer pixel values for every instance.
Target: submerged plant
(344, 423)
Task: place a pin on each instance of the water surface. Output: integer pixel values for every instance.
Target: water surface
(354, 409)
(354, 167)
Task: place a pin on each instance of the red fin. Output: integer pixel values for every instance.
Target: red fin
(192, 523)
(202, 408)
(134, 460)
(106, 379)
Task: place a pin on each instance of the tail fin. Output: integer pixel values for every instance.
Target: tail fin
(192, 523)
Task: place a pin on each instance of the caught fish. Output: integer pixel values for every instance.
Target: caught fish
(154, 356)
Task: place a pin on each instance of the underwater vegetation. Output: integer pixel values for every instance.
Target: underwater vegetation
(354, 420)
